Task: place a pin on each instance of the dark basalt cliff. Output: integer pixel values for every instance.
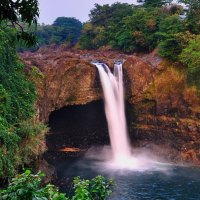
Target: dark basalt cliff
(166, 110)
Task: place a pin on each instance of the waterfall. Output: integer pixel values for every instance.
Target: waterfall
(113, 90)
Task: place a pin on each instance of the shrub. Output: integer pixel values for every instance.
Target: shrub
(191, 57)
(169, 45)
(27, 186)
(97, 188)
(17, 109)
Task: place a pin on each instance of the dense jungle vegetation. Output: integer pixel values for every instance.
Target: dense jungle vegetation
(21, 134)
(173, 30)
(64, 30)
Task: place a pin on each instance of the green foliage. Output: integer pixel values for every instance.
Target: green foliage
(100, 14)
(155, 24)
(81, 188)
(171, 25)
(130, 28)
(35, 75)
(156, 3)
(100, 188)
(105, 15)
(63, 30)
(26, 11)
(20, 91)
(68, 28)
(17, 99)
(191, 57)
(27, 186)
(169, 28)
(138, 32)
(97, 188)
(93, 37)
(193, 15)
(5, 101)
(32, 134)
(103, 25)
(8, 148)
(172, 46)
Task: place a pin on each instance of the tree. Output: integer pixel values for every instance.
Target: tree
(156, 3)
(17, 107)
(105, 15)
(138, 31)
(104, 23)
(88, 35)
(28, 186)
(169, 45)
(193, 15)
(100, 14)
(63, 30)
(14, 12)
(191, 57)
(68, 28)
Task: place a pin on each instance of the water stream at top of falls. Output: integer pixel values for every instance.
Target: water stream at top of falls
(113, 90)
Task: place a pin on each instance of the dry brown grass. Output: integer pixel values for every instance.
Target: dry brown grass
(170, 87)
(169, 82)
(192, 97)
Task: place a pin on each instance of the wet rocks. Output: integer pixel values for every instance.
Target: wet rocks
(69, 78)
(166, 111)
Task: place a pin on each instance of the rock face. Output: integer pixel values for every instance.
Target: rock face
(138, 77)
(174, 139)
(69, 77)
(67, 83)
(166, 110)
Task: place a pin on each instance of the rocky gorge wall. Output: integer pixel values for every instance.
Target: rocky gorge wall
(165, 117)
(69, 78)
(166, 108)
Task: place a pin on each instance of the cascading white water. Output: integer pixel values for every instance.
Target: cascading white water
(120, 157)
(113, 91)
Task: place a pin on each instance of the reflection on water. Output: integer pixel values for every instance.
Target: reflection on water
(71, 149)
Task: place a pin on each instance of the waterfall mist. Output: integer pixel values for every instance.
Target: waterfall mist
(113, 91)
(119, 155)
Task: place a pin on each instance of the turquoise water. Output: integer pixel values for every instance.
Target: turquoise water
(83, 126)
(181, 184)
(167, 182)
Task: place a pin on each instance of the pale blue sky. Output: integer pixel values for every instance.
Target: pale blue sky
(51, 9)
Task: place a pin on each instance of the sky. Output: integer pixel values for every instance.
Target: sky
(50, 9)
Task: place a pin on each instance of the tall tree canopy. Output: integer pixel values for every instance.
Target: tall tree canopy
(12, 12)
(103, 23)
(70, 28)
(191, 57)
(63, 30)
(155, 3)
(193, 15)
(103, 15)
